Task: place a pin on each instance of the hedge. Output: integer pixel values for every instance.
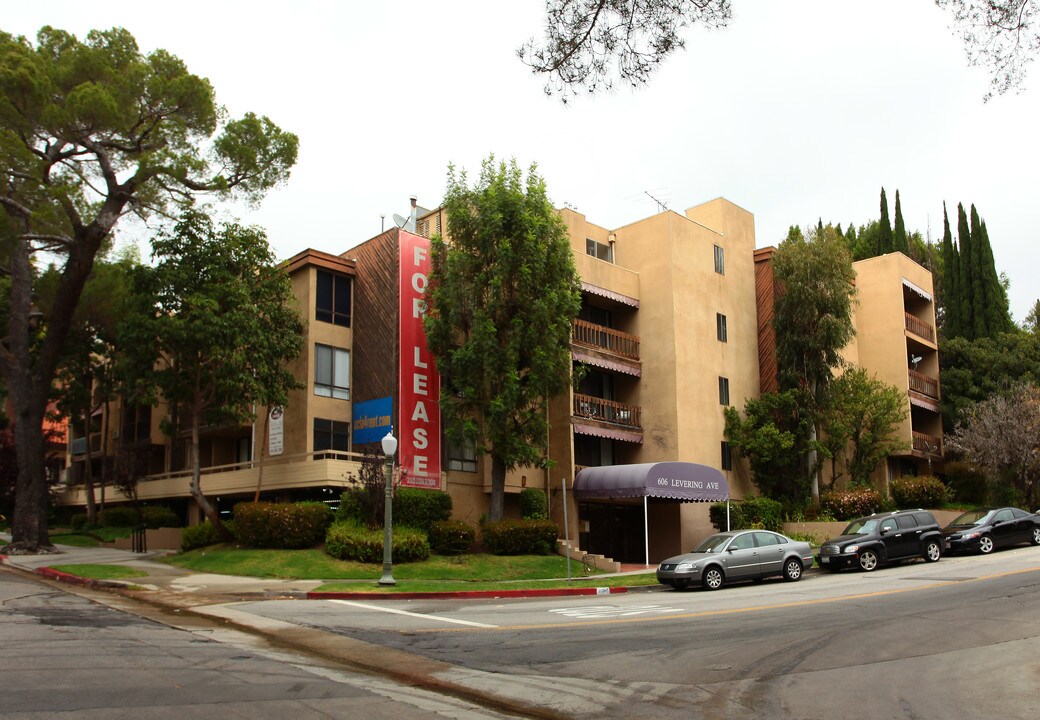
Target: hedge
(919, 492)
(533, 505)
(417, 508)
(754, 512)
(520, 537)
(202, 535)
(451, 537)
(849, 504)
(288, 526)
(347, 540)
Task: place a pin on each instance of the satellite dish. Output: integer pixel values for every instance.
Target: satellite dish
(914, 359)
(400, 220)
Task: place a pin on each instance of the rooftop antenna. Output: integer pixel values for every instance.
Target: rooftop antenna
(661, 207)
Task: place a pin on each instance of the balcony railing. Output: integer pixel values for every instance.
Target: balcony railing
(595, 408)
(923, 384)
(919, 327)
(608, 339)
(927, 444)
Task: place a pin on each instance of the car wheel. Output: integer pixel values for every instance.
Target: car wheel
(713, 578)
(792, 570)
(680, 584)
(986, 545)
(868, 561)
(1035, 537)
(932, 551)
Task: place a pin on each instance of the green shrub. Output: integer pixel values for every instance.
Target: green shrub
(919, 492)
(717, 513)
(287, 526)
(520, 537)
(533, 505)
(202, 535)
(78, 521)
(848, 504)
(417, 508)
(351, 508)
(762, 513)
(967, 482)
(122, 516)
(351, 541)
(157, 516)
(752, 512)
(451, 537)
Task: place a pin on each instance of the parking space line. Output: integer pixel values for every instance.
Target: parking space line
(395, 611)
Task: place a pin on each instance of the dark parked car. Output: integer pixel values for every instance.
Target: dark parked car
(986, 529)
(868, 542)
(736, 555)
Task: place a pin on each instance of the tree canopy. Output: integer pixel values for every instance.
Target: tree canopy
(90, 131)
(502, 297)
(212, 327)
(592, 44)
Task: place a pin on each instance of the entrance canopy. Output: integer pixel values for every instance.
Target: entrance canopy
(684, 481)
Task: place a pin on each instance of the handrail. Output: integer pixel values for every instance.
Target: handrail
(268, 462)
(921, 383)
(602, 337)
(928, 444)
(609, 411)
(919, 327)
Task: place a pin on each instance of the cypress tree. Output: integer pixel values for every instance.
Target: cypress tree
(885, 235)
(965, 311)
(979, 285)
(899, 240)
(998, 315)
(950, 282)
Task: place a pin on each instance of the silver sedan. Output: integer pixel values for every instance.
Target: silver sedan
(737, 555)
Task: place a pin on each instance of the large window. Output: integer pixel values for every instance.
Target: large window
(331, 434)
(137, 423)
(332, 303)
(599, 250)
(720, 327)
(720, 260)
(461, 456)
(331, 372)
(723, 391)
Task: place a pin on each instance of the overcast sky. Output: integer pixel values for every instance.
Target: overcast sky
(797, 111)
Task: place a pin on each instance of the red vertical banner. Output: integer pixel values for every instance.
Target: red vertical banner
(420, 387)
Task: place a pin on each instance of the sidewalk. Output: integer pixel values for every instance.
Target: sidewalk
(183, 588)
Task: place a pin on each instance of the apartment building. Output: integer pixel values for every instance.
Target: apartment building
(670, 333)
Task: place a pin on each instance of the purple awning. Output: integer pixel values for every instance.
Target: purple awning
(685, 481)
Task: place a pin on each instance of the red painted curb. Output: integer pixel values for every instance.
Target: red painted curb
(464, 594)
(63, 576)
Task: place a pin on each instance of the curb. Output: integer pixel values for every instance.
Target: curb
(465, 594)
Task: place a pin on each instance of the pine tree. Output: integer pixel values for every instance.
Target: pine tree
(966, 271)
(950, 282)
(998, 315)
(899, 239)
(885, 235)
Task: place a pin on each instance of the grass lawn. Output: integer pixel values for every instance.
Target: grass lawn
(100, 572)
(438, 574)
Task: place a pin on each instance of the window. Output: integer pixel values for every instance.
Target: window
(723, 391)
(720, 327)
(137, 423)
(332, 303)
(765, 539)
(727, 456)
(599, 250)
(331, 434)
(331, 372)
(720, 260)
(461, 456)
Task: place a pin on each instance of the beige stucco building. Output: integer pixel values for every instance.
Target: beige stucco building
(670, 333)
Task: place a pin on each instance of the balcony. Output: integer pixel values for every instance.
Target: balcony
(607, 411)
(923, 385)
(606, 339)
(919, 327)
(928, 445)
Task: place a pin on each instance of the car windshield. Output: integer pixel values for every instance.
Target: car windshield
(973, 517)
(861, 527)
(712, 544)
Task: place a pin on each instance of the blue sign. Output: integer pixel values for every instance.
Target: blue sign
(372, 420)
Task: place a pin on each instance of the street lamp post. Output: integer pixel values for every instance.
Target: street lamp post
(389, 443)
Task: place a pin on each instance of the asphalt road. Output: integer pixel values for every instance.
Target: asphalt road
(64, 656)
(958, 638)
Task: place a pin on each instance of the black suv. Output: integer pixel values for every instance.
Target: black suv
(884, 537)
